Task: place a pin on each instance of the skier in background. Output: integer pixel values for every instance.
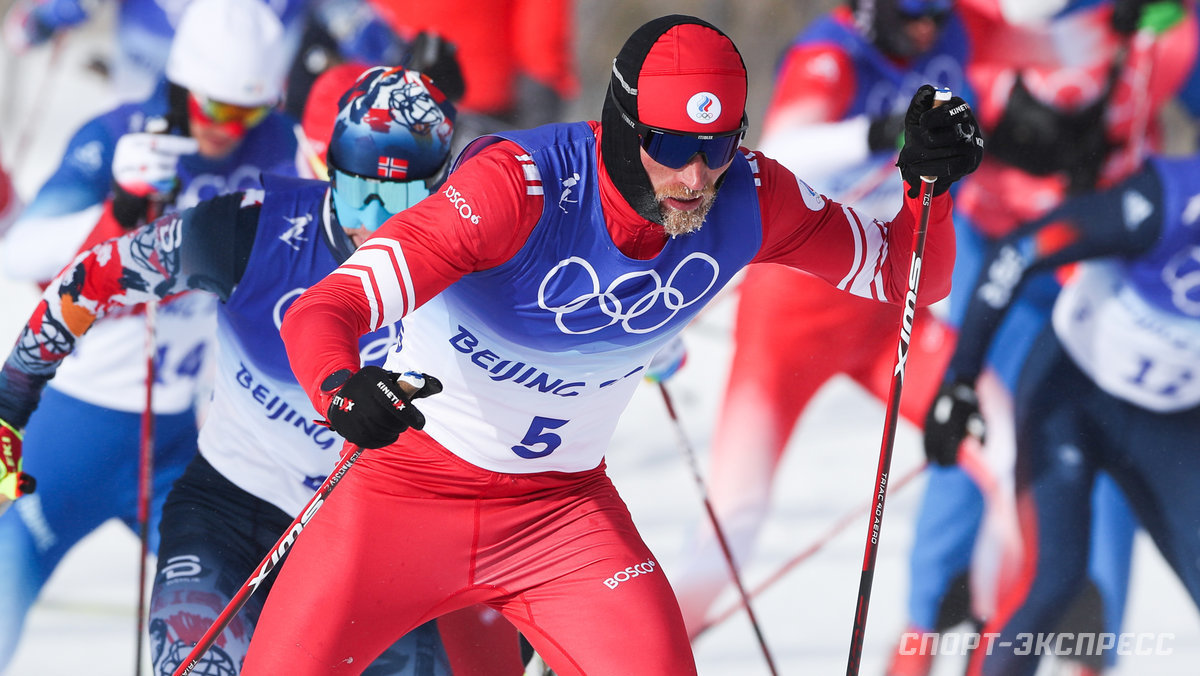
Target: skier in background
(1068, 93)
(836, 115)
(142, 34)
(260, 458)
(318, 34)
(210, 128)
(1107, 385)
(517, 57)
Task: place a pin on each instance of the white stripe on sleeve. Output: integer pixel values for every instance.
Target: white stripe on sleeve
(387, 282)
(859, 237)
(864, 278)
(364, 278)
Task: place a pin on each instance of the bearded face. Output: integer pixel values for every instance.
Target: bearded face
(680, 222)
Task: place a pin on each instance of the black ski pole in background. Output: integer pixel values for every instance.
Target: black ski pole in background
(145, 480)
(839, 526)
(716, 525)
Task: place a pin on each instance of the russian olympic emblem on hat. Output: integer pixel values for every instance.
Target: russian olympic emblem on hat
(704, 107)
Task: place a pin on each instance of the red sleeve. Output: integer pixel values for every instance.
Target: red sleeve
(868, 258)
(815, 84)
(987, 9)
(545, 44)
(480, 218)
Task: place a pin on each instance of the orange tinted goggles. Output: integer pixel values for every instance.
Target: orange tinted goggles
(215, 112)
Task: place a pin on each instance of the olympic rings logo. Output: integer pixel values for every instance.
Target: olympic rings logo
(1181, 275)
(657, 304)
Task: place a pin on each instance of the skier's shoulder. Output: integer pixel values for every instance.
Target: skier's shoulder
(216, 238)
(832, 29)
(108, 126)
(275, 136)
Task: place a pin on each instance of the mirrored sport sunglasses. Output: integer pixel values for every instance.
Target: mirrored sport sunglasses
(215, 112)
(675, 149)
(395, 196)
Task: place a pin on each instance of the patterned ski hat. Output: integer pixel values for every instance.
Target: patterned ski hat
(393, 124)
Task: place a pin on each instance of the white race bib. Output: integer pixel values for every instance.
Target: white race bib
(1131, 349)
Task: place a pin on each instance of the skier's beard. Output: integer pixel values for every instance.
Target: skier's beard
(676, 222)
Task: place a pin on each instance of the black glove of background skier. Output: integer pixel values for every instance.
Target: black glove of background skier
(886, 133)
(953, 415)
(437, 58)
(145, 175)
(944, 142)
(1042, 139)
(372, 407)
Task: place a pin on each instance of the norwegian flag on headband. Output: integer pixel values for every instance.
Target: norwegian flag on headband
(391, 167)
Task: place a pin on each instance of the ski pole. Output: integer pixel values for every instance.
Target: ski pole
(314, 160)
(409, 385)
(845, 521)
(267, 565)
(145, 479)
(1141, 44)
(891, 419)
(867, 184)
(27, 129)
(716, 525)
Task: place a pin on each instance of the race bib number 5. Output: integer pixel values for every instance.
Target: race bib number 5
(539, 441)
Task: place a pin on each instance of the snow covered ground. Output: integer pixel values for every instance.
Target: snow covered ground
(85, 622)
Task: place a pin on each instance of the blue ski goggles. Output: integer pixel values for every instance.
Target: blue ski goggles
(675, 149)
(353, 194)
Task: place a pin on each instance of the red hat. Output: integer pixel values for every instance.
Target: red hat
(692, 80)
(675, 72)
(321, 106)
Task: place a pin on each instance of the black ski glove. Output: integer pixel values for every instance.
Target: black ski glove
(944, 142)
(886, 133)
(953, 415)
(372, 407)
(1042, 139)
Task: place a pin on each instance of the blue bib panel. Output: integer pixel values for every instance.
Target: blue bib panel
(570, 289)
(884, 87)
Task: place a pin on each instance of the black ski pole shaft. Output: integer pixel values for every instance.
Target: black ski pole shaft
(268, 565)
(845, 521)
(716, 525)
(889, 433)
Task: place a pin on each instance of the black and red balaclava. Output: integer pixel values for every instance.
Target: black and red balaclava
(676, 72)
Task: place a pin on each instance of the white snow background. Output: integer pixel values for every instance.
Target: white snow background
(85, 620)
